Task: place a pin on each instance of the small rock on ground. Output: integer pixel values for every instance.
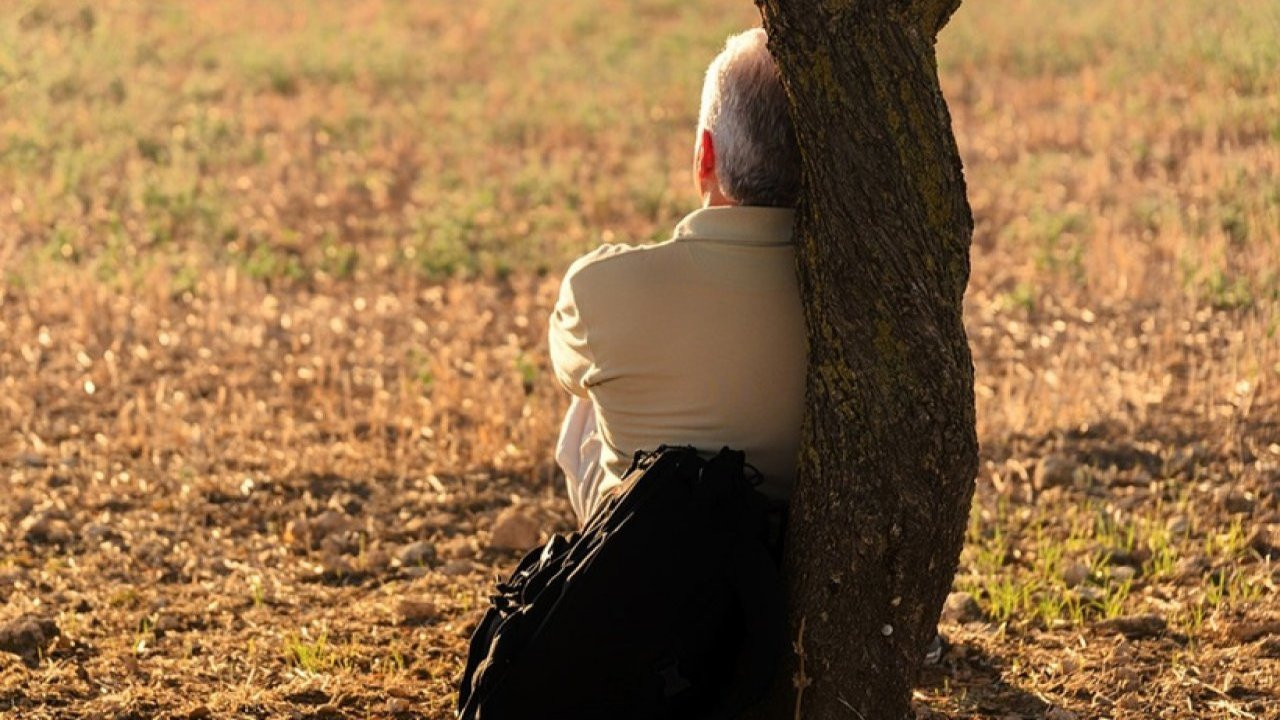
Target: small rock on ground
(1265, 541)
(418, 554)
(415, 610)
(1237, 501)
(44, 529)
(1074, 574)
(1123, 573)
(327, 523)
(961, 607)
(514, 529)
(1055, 470)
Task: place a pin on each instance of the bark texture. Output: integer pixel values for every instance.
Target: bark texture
(890, 450)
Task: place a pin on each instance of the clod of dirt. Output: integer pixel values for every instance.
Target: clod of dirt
(1191, 568)
(27, 637)
(1133, 558)
(1270, 648)
(342, 543)
(1237, 501)
(1265, 541)
(309, 696)
(1178, 524)
(435, 520)
(514, 530)
(1135, 626)
(1248, 632)
(45, 529)
(415, 611)
(418, 554)
(1055, 470)
(459, 547)
(1057, 713)
(1074, 574)
(375, 560)
(336, 567)
(961, 607)
(95, 534)
(328, 523)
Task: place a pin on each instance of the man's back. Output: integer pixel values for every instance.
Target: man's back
(697, 341)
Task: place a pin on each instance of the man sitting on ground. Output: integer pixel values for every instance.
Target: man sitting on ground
(698, 340)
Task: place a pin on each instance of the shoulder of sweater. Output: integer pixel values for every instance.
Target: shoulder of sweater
(614, 257)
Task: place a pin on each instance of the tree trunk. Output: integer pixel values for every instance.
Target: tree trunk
(890, 450)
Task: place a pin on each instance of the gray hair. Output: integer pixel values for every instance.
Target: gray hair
(745, 107)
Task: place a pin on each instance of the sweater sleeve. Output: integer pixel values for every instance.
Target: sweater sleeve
(568, 340)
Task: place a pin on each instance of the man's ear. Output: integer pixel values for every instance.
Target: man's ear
(706, 159)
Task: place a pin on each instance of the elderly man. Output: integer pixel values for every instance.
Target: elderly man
(698, 340)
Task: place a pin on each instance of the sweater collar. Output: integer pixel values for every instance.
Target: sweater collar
(748, 225)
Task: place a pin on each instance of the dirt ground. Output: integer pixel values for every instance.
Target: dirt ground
(245, 504)
(274, 397)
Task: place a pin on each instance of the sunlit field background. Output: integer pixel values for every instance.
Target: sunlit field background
(272, 357)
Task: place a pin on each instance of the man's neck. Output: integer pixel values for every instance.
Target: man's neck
(715, 198)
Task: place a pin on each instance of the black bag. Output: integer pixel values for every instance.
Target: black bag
(666, 605)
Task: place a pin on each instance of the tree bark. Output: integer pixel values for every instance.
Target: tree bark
(890, 450)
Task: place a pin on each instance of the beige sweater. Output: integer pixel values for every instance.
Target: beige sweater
(698, 340)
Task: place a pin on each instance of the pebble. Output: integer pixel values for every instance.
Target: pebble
(1057, 713)
(1074, 574)
(1056, 470)
(44, 529)
(961, 607)
(414, 610)
(418, 554)
(458, 567)
(1237, 501)
(375, 559)
(1178, 524)
(1132, 558)
(33, 460)
(168, 622)
(336, 567)
(1265, 541)
(1123, 573)
(328, 523)
(514, 530)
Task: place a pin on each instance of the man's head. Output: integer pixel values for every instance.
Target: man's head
(746, 150)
